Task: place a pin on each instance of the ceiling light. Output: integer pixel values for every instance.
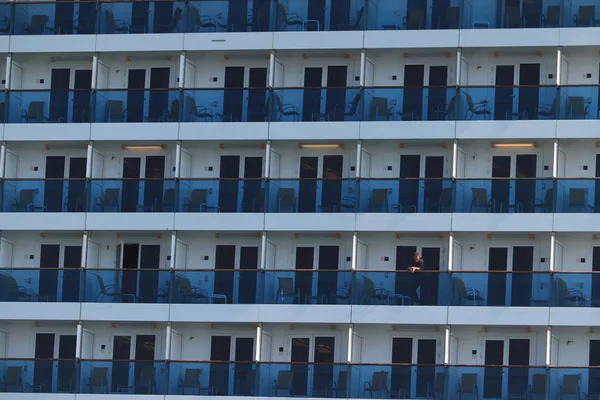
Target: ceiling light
(505, 145)
(321, 146)
(144, 147)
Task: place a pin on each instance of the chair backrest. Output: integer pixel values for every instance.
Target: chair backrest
(369, 286)
(251, 379)
(379, 197)
(561, 287)
(553, 15)
(36, 110)
(198, 196)
(190, 105)
(111, 196)
(577, 197)
(286, 197)
(147, 374)
(446, 197)
(479, 194)
(451, 106)
(192, 377)
(576, 104)
(538, 384)
(587, 13)
(549, 197)
(379, 381)
(513, 13)
(101, 283)
(98, 375)
(174, 111)
(286, 285)
(26, 197)
(379, 106)
(468, 383)
(169, 198)
(354, 104)
(176, 17)
(359, 17)
(439, 384)
(110, 20)
(570, 384)
(13, 375)
(114, 108)
(342, 382)
(285, 379)
(184, 286)
(461, 289)
(38, 23)
(470, 103)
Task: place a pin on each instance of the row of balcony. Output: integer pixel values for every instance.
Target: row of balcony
(399, 195)
(118, 17)
(315, 380)
(309, 287)
(321, 104)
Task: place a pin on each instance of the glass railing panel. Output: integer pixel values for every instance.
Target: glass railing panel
(222, 195)
(485, 14)
(502, 289)
(41, 284)
(501, 382)
(229, 16)
(123, 377)
(226, 105)
(406, 196)
(149, 17)
(564, 382)
(576, 289)
(404, 288)
(126, 285)
(133, 195)
(410, 103)
(45, 106)
(47, 195)
(312, 195)
(52, 18)
(581, 14)
(318, 380)
(499, 195)
(301, 15)
(208, 286)
(507, 103)
(578, 195)
(398, 381)
(308, 287)
(137, 105)
(318, 104)
(38, 376)
(407, 15)
(580, 102)
(213, 378)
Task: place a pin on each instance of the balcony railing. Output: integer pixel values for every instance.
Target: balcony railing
(41, 284)
(306, 195)
(308, 104)
(299, 286)
(121, 17)
(296, 379)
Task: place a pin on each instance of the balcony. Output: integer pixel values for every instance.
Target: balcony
(319, 104)
(371, 195)
(41, 285)
(39, 376)
(301, 287)
(274, 379)
(25, 18)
